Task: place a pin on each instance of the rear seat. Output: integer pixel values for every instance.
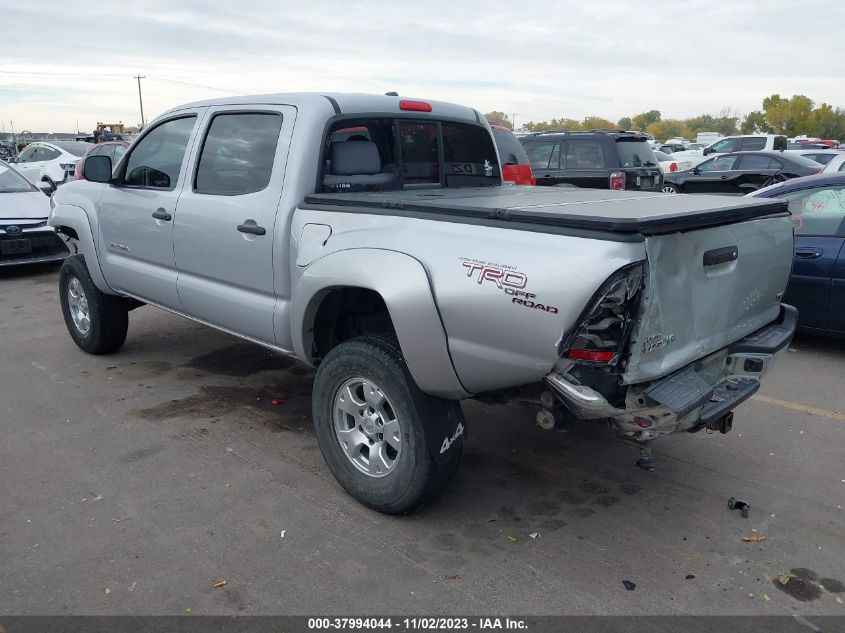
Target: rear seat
(355, 163)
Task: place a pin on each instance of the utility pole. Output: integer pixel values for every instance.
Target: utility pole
(140, 100)
(513, 122)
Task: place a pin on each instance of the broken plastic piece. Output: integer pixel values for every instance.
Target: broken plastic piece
(630, 586)
(219, 583)
(742, 506)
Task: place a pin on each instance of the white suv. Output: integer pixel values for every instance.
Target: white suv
(741, 143)
(53, 162)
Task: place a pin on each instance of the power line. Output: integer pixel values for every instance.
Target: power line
(95, 74)
(186, 83)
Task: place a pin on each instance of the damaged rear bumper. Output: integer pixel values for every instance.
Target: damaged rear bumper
(701, 395)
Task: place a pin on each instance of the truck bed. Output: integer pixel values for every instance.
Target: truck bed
(619, 212)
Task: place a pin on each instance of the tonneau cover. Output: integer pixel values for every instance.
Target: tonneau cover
(646, 213)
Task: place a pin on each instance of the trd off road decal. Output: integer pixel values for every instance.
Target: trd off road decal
(507, 279)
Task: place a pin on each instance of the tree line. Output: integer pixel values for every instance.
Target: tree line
(778, 115)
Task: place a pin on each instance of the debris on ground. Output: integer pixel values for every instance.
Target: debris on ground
(276, 401)
(282, 534)
(534, 534)
(742, 506)
(108, 591)
(512, 539)
(454, 577)
(120, 519)
(784, 578)
(219, 583)
(630, 586)
(689, 576)
(766, 597)
(754, 538)
(491, 520)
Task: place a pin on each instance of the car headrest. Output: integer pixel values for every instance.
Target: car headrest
(359, 157)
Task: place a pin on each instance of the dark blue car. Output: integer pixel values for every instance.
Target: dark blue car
(817, 284)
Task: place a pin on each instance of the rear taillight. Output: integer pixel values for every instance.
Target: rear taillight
(673, 166)
(603, 328)
(617, 180)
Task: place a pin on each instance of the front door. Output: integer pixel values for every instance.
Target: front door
(137, 212)
(224, 235)
(713, 176)
(818, 215)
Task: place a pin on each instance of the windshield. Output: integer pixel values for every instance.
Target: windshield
(11, 181)
(635, 153)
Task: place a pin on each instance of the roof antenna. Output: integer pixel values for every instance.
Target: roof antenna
(391, 94)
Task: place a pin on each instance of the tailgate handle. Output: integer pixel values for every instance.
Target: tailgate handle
(808, 253)
(721, 255)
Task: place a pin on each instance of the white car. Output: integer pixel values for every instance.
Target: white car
(823, 156)
(837, 164)
(25, 237)
(669, 164)
(54, 162)
(741, 143)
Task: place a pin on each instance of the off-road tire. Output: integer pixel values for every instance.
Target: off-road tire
(109, 319)
(417, 477)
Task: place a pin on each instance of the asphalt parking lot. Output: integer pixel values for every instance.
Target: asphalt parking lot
(134, 483)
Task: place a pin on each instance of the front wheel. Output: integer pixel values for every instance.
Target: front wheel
(96, 322)
(670, 188)
(374, 426)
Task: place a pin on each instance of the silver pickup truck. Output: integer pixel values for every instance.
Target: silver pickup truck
(373, 238)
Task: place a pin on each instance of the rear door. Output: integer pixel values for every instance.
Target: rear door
(817, 284)
(224, 236)
(637, 159)
(26, 164)
(544, 158)
(752, 172)
(584, 163)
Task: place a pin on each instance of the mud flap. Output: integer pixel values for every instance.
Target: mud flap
(445, 428)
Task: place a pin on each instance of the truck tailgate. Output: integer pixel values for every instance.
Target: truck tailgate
(707, 288)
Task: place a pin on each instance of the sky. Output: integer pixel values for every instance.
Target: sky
(68, 62)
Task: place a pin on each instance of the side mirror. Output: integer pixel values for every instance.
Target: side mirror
(47, 188)
(695, 170)
(97, 168)
(707, 150)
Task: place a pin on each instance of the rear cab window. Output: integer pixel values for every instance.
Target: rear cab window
(753, 143)
(395, 153)
(635, 153)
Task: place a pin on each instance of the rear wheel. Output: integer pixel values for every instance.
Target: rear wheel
(670, 188)
(370, 421)
(96, 322)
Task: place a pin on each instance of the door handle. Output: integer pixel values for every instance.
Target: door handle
(161, 214)
(724, 177)
(808, 253)
(250, 226)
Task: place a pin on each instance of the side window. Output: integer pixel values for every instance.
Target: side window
(722, 163)
(44, 153)
(469, 155)
(753, 143)
(420, 163)
(780, 143)
(752, 162)
(842, 167)
(119, 151)
(726, 145)
(817, 211)
(157, 158)
(27, 154)
(238, 152)
(584, 154)
(543, 154)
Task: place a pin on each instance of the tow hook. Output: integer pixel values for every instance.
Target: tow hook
(723, 424)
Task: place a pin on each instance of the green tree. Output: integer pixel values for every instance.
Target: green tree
(644, 119)
(825, 122)
(554, 124)
(625, 123)
(787, 116)
(668, 128)
(499, 118)
(755, 123)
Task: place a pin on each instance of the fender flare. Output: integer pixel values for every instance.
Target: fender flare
(404, 285)
(74, 217)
